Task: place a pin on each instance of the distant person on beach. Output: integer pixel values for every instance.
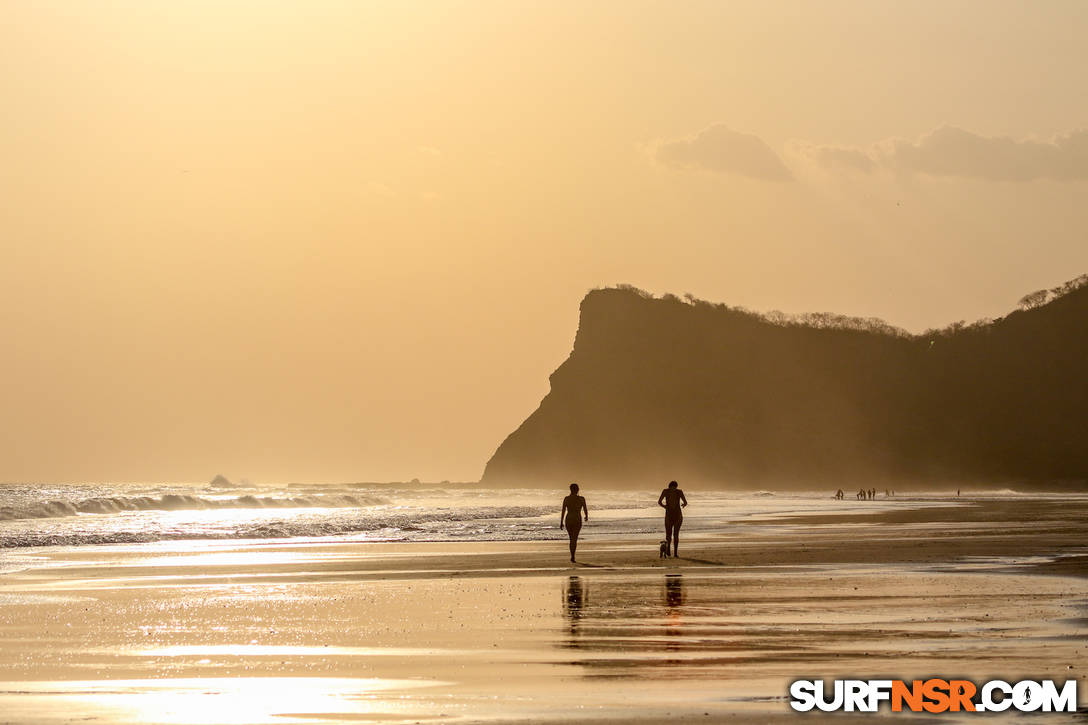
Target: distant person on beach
(672, 499)
(570, 516)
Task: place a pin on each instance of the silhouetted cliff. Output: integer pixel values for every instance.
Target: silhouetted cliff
(656, 389)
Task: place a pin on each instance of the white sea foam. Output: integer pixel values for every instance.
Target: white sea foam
(176, 502)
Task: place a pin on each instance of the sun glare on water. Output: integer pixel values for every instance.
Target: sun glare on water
(227, 701)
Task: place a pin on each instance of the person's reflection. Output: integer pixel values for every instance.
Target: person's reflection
(674, 601)
(674, 591)
(574, 599)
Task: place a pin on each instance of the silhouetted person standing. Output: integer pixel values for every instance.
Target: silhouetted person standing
(570, 516)
(673, 501)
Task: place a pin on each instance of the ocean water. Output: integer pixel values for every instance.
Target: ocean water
(74, 515)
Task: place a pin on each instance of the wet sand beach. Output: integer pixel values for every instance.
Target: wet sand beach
(324, 631)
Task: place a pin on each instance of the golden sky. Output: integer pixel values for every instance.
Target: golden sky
(347, 240)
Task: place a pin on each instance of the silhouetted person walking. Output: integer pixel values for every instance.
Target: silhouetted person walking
(673, 501)
(570, 516)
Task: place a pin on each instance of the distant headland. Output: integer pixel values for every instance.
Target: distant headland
(670, 388)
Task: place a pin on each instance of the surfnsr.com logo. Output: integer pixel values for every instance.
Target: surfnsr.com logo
(934, 695)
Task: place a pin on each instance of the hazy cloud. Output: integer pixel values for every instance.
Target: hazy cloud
(842, 157)
(951, 151)
(955, 152)
(723, 150)
(837, 158)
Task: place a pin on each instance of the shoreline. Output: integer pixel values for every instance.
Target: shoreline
(1037, 535)
(277, 631)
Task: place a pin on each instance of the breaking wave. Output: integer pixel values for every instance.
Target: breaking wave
(434, 525)
(178, 502)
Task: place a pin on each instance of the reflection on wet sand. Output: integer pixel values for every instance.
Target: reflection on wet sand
(576, 603)
(608, 622)
(674, 591)
(705, 626)
(574, 596)
(676, 626)
(634, 645)
(674, 600)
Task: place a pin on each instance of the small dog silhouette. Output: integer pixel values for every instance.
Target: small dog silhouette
(663, 550)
